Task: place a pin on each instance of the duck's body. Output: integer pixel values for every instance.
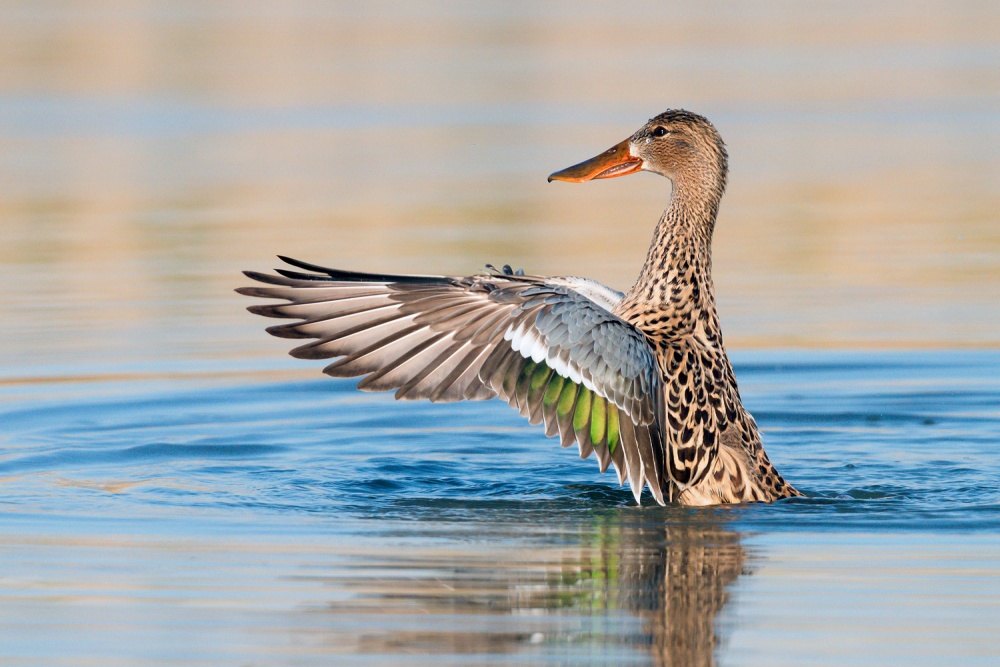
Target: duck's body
(641, 378)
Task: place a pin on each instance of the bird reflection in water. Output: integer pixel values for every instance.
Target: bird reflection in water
(623, 588)
(676, 578)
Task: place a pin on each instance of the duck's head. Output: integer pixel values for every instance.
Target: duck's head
(677, 144)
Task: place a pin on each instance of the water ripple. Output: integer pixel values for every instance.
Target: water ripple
(896, 458)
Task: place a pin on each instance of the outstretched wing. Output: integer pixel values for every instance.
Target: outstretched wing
(550, 347)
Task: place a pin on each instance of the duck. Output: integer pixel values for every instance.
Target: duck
(640, 380)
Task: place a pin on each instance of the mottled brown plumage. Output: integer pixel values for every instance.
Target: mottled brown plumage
(714, 446)
(641, 379)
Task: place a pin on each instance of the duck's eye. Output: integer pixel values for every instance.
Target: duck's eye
(660, 132)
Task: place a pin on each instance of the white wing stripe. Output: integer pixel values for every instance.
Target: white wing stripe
(526, 340)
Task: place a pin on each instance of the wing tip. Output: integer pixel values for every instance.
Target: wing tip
(285, 330)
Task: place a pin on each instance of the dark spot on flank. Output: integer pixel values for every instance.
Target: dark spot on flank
(680, 475)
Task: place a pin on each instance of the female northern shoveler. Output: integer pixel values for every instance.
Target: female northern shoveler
(642, 379)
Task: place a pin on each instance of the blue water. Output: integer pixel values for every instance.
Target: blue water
(875, 441)
(189, 511)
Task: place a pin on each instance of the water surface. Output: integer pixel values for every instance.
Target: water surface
(186, 521)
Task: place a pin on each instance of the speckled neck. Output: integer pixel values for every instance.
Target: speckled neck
(674, 288)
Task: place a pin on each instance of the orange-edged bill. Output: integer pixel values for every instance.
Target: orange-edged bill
(616, 161)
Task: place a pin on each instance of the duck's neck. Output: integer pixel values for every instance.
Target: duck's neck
(674, 289)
